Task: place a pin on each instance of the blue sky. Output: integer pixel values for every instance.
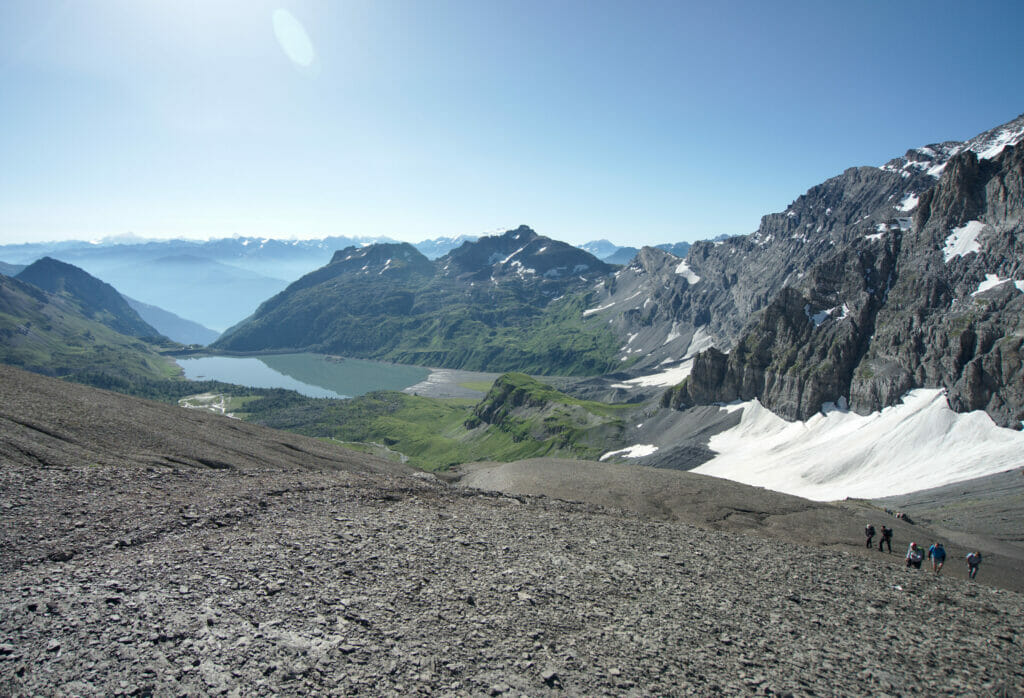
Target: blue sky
(640, 122)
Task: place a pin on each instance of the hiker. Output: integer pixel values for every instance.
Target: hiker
(937, 554)
(914, 556)
(869, 533)
(973, 560)
(886, 538)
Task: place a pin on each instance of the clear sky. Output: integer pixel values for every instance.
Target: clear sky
(640, 122)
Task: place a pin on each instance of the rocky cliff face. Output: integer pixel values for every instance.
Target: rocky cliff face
(889, 302)
(955, 311)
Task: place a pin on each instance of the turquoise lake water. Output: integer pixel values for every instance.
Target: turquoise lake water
(313, 375)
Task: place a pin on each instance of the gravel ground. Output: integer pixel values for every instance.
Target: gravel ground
(295, 574)
(987, 509)
(448, 383)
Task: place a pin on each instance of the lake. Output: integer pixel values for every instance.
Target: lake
(314, 375)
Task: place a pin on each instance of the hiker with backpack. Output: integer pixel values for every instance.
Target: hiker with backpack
(973, 561)
(937, 554)
(869, 533)
(914, 556)
(886, 538)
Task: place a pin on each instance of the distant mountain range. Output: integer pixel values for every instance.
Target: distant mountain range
(614, 254)
(216, 283)
(875, 282)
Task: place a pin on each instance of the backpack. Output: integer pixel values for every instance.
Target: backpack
(869, 530)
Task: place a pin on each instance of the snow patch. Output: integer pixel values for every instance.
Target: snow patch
(684, 270)
(918, 444)
(1002, 139)
(909, 203)
(665, 379)
(1019, 285)
(509, 258)
(701, 341)
(591, 311)
(673, 334)
(990, 282)
(637, 451)
(821, 316)
(963, 241)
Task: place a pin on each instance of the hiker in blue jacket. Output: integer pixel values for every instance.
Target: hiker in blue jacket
(937, 554)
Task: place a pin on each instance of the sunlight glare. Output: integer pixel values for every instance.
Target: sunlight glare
(292, 37)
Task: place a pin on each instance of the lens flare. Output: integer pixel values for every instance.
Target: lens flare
(292, 37)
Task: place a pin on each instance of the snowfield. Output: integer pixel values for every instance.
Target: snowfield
(963, 241)
(912, 446)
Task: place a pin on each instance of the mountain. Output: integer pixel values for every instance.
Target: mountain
(503, 302)
(98, 300)
(916, 280)
(438, 247)
(55, 335)
(170, 325)
(182, 276)
(681, 249)
(623, 255)
(601, 249)
(610, 252)
(614, 254)
(10, 269)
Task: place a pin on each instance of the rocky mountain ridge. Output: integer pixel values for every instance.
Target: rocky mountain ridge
(936, 301)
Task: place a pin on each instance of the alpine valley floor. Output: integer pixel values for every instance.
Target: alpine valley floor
(149, 550)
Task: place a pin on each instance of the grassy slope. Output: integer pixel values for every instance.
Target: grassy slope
(48, 334)
(433, 322)
(435, 434)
